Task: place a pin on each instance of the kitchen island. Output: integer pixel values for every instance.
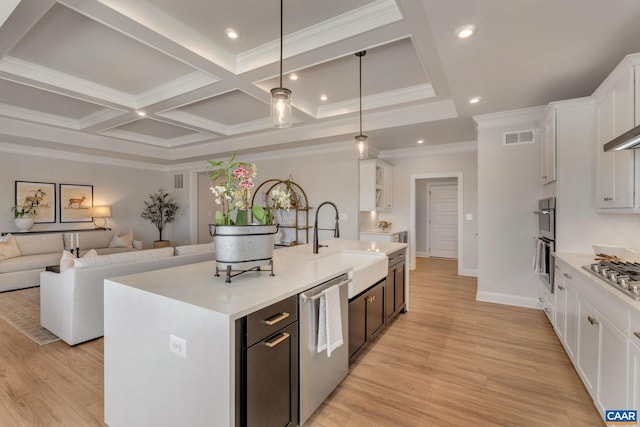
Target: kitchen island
(171, 338)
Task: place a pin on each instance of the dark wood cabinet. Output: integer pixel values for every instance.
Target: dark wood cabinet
(366, 318)
(395, 288)
(267, 378)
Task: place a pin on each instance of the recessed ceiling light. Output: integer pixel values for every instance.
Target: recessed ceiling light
(474, 100)
(141, 113)
(231, 33)
(293, 76)
(466, 31)
(323, 97)
(420, 141)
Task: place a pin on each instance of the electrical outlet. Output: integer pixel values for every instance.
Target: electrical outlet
(178, 346)
(469, 217)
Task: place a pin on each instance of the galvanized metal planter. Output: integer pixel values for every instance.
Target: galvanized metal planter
(242, 248)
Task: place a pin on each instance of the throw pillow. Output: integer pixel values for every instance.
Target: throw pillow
(122, 240)
(9, 247)
(68, 259)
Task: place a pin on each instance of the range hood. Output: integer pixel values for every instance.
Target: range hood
(626, 141)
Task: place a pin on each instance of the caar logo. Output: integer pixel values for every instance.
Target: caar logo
(621, 417)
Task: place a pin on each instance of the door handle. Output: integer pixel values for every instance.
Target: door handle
(637, 334)
(275, 319)
(592, 320)
(277, 341)
(561, 287)
(568, 276)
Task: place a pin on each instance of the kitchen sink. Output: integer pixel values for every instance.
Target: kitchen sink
(367, 268)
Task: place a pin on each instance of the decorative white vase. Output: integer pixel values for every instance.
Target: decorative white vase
(25, 223)
(243, 247)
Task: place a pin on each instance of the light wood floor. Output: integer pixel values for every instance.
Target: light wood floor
(449, 361)
(453, 361)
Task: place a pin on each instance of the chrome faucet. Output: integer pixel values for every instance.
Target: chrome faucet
(336, 230)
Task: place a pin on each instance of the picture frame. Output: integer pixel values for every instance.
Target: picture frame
(75, 202)
(46, 205)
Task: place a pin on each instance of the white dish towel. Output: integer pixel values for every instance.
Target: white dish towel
(330, 321)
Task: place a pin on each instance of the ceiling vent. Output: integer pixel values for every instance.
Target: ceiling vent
(178, 181)
(518, 137)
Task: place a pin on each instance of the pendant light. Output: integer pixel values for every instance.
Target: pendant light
(361, 140)
(280, 96)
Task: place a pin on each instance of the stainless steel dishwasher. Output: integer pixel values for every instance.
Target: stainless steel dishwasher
(319, 374)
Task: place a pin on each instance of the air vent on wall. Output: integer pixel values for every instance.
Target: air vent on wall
(518, 137)
(178, 180)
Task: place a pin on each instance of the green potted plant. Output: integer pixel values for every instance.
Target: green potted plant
(25, 214)
(160, 209)
(239, 245)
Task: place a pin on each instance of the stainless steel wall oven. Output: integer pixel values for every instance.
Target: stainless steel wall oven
(545, 242)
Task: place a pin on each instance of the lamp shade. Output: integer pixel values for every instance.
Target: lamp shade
(363, 146)
(101, 212)
(281, 107)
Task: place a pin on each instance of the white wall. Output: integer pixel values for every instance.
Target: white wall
(327, 175)
(508, 193)
(122, 188)
(437, 163)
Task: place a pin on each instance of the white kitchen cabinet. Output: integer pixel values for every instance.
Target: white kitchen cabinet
(634, 375)
(566, 310)
(588, 345)
(612, 367)
(616, 113)
(548, 147)
(560, 323)
(546, 302)
(376, 185)
(384, 236)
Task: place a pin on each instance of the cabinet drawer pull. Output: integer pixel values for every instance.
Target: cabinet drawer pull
(637, 334)
(277, 341)
(275, 319)
(568, 276)
(371, 298)
(562, 288)
(592, 320)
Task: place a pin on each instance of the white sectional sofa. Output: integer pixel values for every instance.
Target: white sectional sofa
(35, 251)
(72, 301)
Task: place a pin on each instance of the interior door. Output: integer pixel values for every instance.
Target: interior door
(442, 226)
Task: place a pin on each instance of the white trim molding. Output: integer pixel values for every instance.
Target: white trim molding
(508, 299)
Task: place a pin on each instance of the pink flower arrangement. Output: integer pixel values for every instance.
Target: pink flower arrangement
(234, 194)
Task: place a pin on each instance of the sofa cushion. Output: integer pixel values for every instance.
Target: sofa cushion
(109, 251)
(92, 239)
(124, 257)
(29, 262)
(122, 240)
(192, 249)
(8, 247)
(68, 259)
(34, 244)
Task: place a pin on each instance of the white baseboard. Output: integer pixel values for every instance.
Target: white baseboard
(422, 254)
(469, 272)
(507, 299)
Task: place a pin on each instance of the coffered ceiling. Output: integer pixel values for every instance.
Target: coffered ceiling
(76, 75)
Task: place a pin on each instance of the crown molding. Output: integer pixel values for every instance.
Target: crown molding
(352, 23)
(48, 76)
(99, 116)
(37, 116)
(523, 116)
(379, 100)
(173, 88)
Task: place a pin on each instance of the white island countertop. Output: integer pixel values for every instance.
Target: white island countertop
(170, 342)
(296, 269)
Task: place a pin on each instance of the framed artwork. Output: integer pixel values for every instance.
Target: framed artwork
(42, 195)
(75, 203)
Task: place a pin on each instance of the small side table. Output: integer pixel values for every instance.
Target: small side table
(53, 268)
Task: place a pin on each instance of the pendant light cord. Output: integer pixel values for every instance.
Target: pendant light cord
(281, 38)
(360, 94)
(360, 55)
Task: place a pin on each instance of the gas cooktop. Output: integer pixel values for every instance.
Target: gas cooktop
(624, 276)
